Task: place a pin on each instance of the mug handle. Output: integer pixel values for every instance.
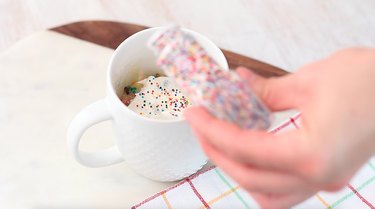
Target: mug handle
(94, 113)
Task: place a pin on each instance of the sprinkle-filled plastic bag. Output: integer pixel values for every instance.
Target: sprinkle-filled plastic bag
(220, 91)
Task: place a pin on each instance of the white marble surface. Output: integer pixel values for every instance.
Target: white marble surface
(44, 81)
(285, 33)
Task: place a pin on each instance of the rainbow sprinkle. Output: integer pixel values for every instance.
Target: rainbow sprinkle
(159, 98)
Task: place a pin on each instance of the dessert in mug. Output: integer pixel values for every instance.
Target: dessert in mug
(155, 97)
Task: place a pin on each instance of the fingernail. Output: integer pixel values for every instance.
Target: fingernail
(189, 113)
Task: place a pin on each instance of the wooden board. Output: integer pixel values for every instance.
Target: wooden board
(111, 34)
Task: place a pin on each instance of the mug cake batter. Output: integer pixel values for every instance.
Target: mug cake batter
(156, 97)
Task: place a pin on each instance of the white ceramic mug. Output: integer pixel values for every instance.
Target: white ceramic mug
(162, 150)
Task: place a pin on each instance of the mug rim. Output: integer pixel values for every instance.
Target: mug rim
(129, 39)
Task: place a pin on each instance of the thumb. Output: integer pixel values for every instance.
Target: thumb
(276, 93)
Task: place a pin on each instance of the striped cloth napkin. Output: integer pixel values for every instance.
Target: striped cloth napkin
(211, 188)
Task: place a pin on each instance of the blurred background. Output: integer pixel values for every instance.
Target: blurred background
(284, 33)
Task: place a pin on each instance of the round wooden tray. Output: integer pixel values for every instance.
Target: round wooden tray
(111, 34)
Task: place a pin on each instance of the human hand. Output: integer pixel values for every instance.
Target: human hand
(337, 134)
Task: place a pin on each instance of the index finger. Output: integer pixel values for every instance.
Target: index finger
(260, 148)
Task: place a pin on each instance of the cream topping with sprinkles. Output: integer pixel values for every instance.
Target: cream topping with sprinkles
(159, 98)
